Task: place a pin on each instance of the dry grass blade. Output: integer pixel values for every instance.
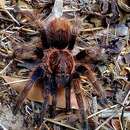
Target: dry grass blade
(91, 29)
(108, 120)
(45, 125)
(125, 101)
(4, 70)
(14, 82)
(115, 106)
(60, 124)
(12, 17)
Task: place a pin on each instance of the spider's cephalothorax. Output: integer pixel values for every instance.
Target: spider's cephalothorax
(58, 68)
(61, 64)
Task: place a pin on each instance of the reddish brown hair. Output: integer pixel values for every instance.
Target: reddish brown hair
(59, 33)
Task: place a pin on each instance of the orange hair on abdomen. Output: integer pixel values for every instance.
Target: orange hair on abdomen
(59, 33)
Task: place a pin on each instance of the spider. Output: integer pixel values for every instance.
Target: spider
(59, 68)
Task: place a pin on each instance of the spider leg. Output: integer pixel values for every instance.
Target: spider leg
(79, 98)
(54, 102)
(72, 41)
(22, 96)
(46, 100)
(27, 88)
(96, 84)
(53, 90)
(43, 35)
(67, 98)
(46, 93)
(84, 69)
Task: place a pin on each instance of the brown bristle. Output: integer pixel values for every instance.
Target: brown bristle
(59, 33)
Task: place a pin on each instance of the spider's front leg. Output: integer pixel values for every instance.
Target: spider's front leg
(53, 108)
(85, 70)
(96, 84)
(46, 93)
(79, 98)
(67, 97)
(37, 73)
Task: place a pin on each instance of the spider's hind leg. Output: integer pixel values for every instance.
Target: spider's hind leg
(49, 89)
(34, 77)
(67, 98)
(79, 98)
(85, 70)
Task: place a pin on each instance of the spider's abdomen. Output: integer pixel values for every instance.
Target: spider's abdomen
(59, 33)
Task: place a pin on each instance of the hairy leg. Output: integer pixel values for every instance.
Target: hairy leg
(93, 79)
(27, 88)
(22, 96)
(85, 70)
(54, 102)
(77, 90)
(67, 98)
(46, 93)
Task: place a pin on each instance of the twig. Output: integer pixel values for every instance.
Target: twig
(101, 111)
(108, 27)
(14, 82)
(12, 17)
(122, 114)
(126, 98)
(115, 112)
(70, 10)
(60, 124)
(120, 120)
(94, 109)
(107, 120)
(91, 29)
(46, 126)
(4, 70)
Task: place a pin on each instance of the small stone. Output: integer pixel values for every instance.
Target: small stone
(122, 30)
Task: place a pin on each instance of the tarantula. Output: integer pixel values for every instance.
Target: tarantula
(59, 68)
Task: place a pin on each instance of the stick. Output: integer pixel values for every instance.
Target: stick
(60, 124)
(14, 82)
(101, 111)
(12, 17)
(4, 70)
(107, 120)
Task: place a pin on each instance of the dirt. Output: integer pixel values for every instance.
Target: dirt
(8, 121)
